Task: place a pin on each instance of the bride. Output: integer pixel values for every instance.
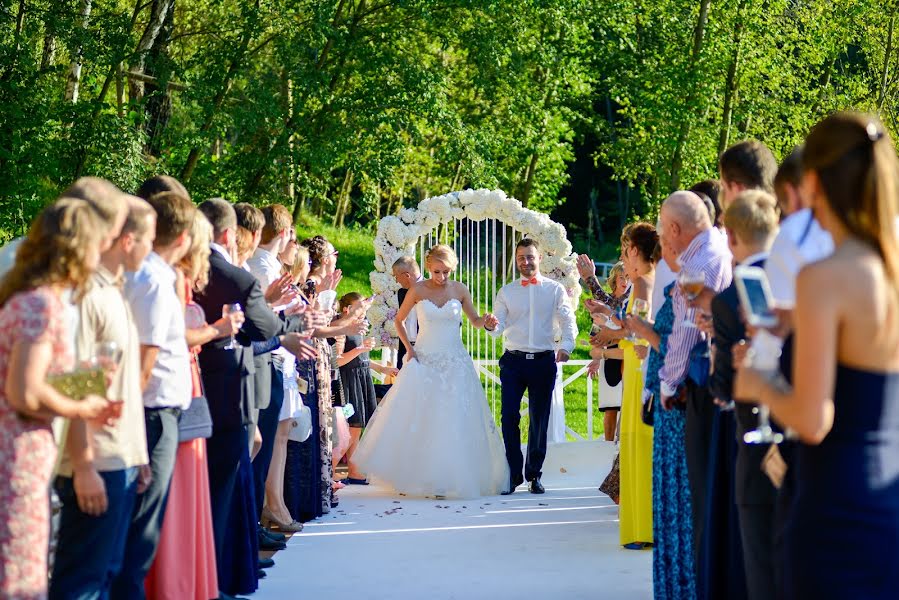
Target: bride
(433, 434)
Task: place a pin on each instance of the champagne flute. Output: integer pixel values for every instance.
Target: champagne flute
(692, 283)
(641, 310)
(764, 433)
(228, 310)
(109, 356)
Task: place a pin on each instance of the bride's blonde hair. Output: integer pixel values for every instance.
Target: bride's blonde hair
(444, 254)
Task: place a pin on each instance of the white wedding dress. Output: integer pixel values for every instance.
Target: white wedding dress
(433, 434)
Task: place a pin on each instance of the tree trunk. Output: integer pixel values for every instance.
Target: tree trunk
(159, 14)
(686, 124)
(158, 105)
(194, 154)
(343, 199)
(529, 180)
(48, 53)
(886, 60)
(732, 83)
(73, 80)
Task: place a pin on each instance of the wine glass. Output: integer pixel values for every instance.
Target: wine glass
(228, 310)
(764, 433)
(108, 356)
(692, 283)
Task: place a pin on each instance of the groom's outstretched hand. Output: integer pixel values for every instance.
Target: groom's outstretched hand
(562, 356)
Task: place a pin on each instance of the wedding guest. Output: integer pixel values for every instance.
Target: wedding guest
(165, 380)
(747, 165)
(639, 253)
(673, 572)
(59, 254)
(685, 227)
(842, 402)
(227, 367)
(613, 368)
(406, 273)
(711, 189)
(185, 561)
(98, 472)
(355, 373)
(751, 222)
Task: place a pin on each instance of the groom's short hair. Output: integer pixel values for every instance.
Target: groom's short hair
(406, 263)
(528, 243)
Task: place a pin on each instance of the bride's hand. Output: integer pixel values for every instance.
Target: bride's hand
(410, 355)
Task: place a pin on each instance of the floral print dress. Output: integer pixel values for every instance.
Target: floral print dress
(27, 448)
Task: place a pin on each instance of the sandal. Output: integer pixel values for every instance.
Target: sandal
(355, 481)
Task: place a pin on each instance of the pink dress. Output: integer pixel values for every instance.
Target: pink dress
(27, 449)
(184, 567)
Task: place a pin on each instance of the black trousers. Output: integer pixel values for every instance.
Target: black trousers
(224, 449)
(269, 417)
(698, 439)
(757, 531)
(537, 376)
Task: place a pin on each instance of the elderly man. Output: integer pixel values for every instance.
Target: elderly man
(685, 226)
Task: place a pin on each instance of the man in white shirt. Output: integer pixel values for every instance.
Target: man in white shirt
(527, 313)
(165, 379)
(801, 239)
(406, 273)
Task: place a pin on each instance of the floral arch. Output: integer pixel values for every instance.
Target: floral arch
(482, 226)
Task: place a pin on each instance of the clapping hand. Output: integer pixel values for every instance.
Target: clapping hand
(330, 281)
(280, 291)
(586, 268)
(294, 343)
(595, 307)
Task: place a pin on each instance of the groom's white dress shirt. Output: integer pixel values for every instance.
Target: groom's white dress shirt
(529, 315)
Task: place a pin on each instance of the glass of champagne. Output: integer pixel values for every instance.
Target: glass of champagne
(228, 310)
(692, 283)
(109, 358)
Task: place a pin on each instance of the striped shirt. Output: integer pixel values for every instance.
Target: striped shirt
(708, 254)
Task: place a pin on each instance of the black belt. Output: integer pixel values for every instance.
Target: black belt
(530, 355)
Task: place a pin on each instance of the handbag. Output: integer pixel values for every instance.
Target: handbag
(648, 411)
(196, 421)
(340, 433)
(302, 424)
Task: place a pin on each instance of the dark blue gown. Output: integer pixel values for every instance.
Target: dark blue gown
(303, 467)
(843, 528)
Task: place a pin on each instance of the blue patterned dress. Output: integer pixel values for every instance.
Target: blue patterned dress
(673, 568)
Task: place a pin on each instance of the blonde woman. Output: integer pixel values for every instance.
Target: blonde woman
(59, 255)
(433, 434)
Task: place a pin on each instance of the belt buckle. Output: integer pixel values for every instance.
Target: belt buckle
(529, 356)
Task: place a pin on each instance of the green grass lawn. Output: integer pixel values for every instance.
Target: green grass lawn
(356, 260)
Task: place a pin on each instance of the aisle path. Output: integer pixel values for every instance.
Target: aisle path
(564, 544)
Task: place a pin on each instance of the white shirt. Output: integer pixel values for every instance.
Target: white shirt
(664, 276)
(528, 316)
(800, 241)
(159, 317)
(265, 266)
(223, 251)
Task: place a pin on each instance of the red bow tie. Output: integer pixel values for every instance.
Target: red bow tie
(527, 282)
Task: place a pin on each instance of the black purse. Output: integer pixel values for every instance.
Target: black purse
(648, 411)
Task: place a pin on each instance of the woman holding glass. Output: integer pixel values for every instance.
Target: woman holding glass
(639, 253)
(841, 535)
(59, 255)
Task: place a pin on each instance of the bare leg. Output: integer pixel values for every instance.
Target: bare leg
(353, 471)
(274, 484)
(609, 422)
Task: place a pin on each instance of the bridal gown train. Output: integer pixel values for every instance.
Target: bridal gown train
(433, 434)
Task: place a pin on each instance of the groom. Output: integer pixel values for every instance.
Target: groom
(528, 311)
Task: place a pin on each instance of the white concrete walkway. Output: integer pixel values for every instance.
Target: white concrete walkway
(563, 544)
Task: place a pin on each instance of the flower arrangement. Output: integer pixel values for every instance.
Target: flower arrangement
(399, 235)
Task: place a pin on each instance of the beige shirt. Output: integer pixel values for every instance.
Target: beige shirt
(106, 317)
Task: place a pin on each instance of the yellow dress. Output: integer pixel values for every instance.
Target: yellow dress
(635, 453)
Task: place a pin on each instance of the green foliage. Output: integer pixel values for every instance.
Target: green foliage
(348, 110)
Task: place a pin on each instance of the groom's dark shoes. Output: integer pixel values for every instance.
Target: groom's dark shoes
(536, 487)
(514, 482)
